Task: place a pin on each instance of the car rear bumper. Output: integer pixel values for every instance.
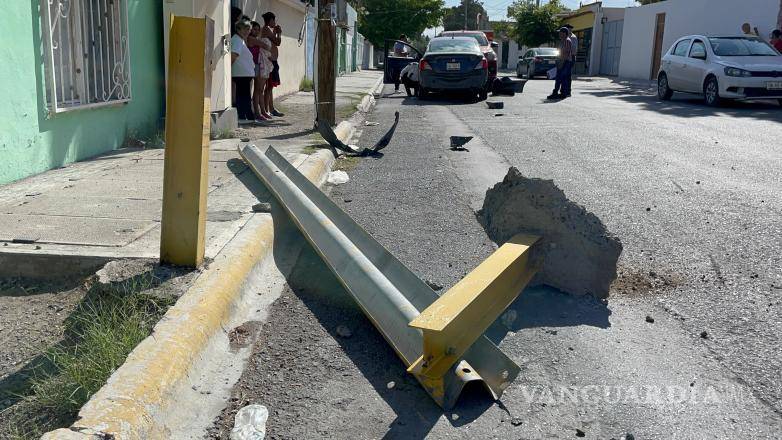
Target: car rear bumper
(749, 88)
(439, 81)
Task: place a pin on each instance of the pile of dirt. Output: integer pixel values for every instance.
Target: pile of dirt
(576, 253)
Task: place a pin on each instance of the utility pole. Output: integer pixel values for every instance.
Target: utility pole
(326, 81)
(464, 8)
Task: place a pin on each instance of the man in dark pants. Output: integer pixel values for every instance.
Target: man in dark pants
(410, 79)
(564, 66)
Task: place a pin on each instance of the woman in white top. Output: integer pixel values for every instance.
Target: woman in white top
(243, 72)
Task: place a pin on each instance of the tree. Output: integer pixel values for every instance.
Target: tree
(454, 16)
(379, 20)
(535, 25)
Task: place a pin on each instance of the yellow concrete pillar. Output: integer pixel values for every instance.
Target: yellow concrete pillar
(185, 176)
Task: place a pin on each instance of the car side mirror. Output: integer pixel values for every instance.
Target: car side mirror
(494, 44)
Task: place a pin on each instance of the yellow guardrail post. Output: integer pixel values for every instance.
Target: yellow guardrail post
(459, 317)
(187, 141)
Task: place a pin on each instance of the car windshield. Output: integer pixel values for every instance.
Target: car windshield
(547, 51)
(453, 45)
(741, 47)
(480, 38)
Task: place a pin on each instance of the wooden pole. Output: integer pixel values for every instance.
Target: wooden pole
(326, 80)
(186, 163)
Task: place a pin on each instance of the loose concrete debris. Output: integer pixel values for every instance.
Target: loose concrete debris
(250, 423)
(576, 254)
(371, 123)
(495, 105)
(508, 318)
(434, 285)
(262, 207)
(649, 319)
(338, 177)
(343, 331)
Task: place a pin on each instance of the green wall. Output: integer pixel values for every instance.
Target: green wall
(29, 141)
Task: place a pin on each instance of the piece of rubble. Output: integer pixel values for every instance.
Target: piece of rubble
(508, 318)
(250, 423)
(576, 253)
(338, 177)
(434, 286)
(262, 207)
(343, 331)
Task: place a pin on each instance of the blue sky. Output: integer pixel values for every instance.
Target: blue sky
(498, 8)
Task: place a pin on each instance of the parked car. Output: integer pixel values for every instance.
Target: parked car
(719, 68)
(536, 62)
(453, 64)
(487, 47)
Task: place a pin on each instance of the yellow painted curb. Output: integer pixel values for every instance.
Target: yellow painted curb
(124, 408)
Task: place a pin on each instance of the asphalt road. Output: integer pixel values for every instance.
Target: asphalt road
(692, 192)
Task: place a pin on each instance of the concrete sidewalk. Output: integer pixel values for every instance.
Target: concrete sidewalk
(108, 207)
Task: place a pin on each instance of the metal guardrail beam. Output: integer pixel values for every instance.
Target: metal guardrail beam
(389, 293)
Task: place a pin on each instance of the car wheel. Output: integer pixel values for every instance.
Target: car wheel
(711, 92)
(423, 93)
(664, 92)
(483, 94)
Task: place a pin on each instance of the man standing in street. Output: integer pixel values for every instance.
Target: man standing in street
(564, 66)
(273, 32)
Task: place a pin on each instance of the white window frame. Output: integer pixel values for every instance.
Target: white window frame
(87, 56)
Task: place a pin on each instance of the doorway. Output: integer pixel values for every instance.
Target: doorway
(611, 48)
(657, 53)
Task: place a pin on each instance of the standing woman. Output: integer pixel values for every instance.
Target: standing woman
(260, 49)
(242, 71)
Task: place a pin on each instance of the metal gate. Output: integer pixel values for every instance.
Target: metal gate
(611, 47)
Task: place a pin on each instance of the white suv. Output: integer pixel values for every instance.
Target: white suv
(721, 68)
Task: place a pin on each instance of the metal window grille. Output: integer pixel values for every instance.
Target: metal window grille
(87, 55)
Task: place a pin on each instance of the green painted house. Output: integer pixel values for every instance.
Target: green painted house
(78, 78)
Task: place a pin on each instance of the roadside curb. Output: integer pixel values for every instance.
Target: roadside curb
(346, 128)
(125, 407)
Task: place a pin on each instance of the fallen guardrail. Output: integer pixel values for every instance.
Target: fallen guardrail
(439, 338)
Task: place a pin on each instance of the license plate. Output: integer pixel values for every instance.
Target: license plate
(774, 85)
(453, 66)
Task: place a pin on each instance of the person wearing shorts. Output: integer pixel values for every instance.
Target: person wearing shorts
(260, 48)
(273, 32)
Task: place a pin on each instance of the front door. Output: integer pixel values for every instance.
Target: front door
(696, 67)
(657, 53)
(611, 48)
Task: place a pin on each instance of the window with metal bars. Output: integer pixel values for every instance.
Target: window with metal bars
(87, 53)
